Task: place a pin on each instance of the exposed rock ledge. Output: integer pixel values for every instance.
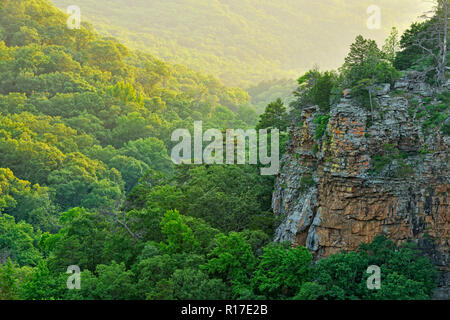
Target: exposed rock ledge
(329, 199)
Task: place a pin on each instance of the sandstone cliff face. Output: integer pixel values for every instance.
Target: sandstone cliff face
(371, 173)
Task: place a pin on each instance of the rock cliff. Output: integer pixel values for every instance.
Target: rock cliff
(362, 173)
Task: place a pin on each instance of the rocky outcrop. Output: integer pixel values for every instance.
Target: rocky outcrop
(369, 174)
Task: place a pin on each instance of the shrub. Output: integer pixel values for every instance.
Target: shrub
(306, 182)
(321, 121)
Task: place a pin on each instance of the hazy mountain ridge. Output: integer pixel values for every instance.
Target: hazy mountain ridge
(242, 42)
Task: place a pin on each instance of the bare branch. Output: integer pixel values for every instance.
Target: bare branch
(124, 224)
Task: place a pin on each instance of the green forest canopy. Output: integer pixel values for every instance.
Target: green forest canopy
(85, 180)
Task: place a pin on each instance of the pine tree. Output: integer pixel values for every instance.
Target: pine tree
(275, 116)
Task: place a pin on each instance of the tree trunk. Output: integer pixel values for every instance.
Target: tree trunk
(371, 103)
(444, 53)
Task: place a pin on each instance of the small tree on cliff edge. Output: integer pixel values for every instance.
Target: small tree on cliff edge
(391, 46)
(364, 66)
(275, 116)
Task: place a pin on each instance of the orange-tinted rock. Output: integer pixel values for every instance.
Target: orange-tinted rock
(406, 199)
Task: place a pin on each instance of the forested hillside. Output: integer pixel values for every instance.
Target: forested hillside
(245, 42)
(86, 179)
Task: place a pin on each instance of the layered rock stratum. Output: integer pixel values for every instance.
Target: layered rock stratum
(373, 172)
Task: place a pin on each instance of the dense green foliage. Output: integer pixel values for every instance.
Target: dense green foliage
(367, 66)
(86, 117)
(275, 116)
(404, 274)
(86, 180)
(315, 88)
